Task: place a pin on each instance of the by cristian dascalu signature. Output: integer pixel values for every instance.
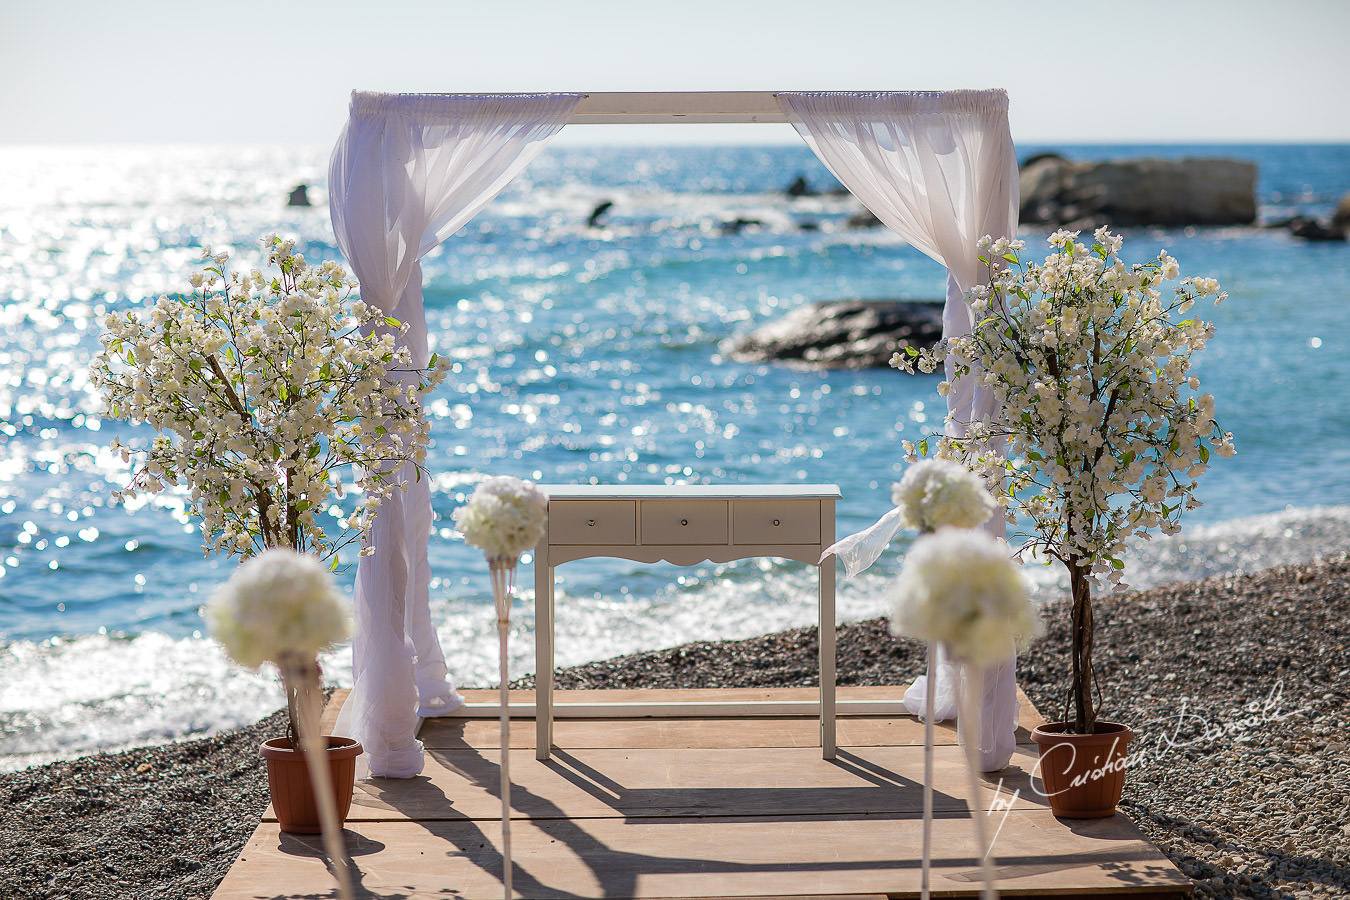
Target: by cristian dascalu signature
(1185, 729)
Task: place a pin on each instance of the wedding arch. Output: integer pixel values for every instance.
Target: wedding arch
(409, 170)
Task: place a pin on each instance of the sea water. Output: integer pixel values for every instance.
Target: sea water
(582, 354)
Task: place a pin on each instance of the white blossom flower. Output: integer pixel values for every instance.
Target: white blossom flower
(934, 493)
(277, 603)
(961, 587)
(505, 517)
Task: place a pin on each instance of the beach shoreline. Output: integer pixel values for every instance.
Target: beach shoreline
(1239, 686)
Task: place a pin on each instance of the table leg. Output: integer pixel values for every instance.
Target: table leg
(827, 658)
(543, 652)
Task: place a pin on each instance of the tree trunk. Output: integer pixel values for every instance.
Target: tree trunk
(1085, 713)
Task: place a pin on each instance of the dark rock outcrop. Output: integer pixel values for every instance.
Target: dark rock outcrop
(1058, 191)
(1311, 229)
(844, 334)
(1341, 217)
(597, 216)
(299, 196)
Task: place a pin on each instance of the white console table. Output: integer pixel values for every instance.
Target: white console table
(685, 525)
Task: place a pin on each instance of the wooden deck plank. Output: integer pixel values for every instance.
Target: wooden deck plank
(463, 784)
(595, 734)
(452, 732)
(749, 856)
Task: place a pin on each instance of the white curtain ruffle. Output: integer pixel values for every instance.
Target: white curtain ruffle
(939, 169)
(408, 171)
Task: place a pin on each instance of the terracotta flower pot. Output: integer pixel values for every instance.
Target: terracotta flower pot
(1082, 775)
(289, 784)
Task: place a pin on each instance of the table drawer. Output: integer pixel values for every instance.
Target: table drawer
(684, 521)
(776, 522)
(592, 522)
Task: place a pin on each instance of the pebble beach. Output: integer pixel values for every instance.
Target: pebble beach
(1239, 687)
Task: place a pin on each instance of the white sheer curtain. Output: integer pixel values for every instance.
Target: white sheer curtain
(408, 171)
(939, 169)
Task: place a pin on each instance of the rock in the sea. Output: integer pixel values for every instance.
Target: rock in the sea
(597, 216)
(863, 218)
(1311, 229)
(845, 334)
(1058, 191)
(299, 196)
(1341, 217)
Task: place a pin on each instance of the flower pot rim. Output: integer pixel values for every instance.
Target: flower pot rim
(1059, 731)
(338, 747)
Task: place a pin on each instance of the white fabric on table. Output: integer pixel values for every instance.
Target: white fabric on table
(939, 169)
(408, 171)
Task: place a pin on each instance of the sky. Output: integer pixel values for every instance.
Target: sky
(250, 72)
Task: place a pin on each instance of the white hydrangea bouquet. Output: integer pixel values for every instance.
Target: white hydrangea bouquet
(1103, 434)
(936, 493)
(264, 388)
(961, 588)
(282, 607)
(504, 517)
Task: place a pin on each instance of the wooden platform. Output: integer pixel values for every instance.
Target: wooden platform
(687, 807)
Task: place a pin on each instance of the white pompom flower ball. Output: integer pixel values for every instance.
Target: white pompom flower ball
(505, 517)
(936, 493)
(961, 588)
(276, 604)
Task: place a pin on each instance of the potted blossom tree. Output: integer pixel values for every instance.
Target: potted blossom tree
(1103, 436)
(265, 388)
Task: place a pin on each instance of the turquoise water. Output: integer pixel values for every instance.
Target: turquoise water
(582, 354)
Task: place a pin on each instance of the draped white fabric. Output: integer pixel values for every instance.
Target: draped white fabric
(939, 169)
(408, 171)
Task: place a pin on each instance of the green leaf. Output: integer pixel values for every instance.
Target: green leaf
(195, 364)
(303, 506)
(1010, 257)
(923, 447)
(314, 451)
(1117, 563)
(333, 567)
(392, 322)
(1204, 453)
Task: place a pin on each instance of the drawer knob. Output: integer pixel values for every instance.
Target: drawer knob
(590, 523)
(776, 523)
(684, 521)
